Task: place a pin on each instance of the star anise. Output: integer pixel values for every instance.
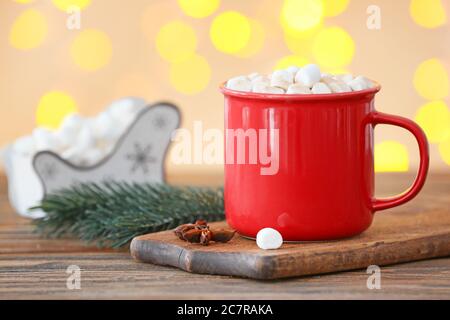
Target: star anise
(199, 232)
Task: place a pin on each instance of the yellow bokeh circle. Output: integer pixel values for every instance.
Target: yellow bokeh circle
(256, 42)
(391, 156)
(199, 8)
(431, 80)
(428, 13)
(91, 49)
(292, 60)
(301, 15)
(434, 118)
(23, 1)
(53, 107)
(190, 76)
(301, 43)
(444, 150)
(176, 41)
(66, 4)
(230, 32)
(29, 30)
(333, 48)
(333, 8)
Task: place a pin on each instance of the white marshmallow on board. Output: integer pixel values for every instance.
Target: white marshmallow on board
(240, 83)
(24, 146)
(298, 88)
(260, 87)
(282, 79)
(308, 75)
(320, 88)
(268, 239)
(44, 139)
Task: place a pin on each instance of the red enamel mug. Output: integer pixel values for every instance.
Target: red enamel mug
(304, 164)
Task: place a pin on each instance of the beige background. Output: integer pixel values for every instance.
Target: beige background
(389, 55)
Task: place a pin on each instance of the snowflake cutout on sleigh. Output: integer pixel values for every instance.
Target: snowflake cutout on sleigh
(141, 158)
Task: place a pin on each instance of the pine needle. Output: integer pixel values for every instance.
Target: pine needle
(111, 214)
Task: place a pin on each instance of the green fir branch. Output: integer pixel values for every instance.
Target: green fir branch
(111, 214)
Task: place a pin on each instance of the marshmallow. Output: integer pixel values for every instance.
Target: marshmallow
(295, 80)
(261, 79)
(308, 75)
(293, 70)
(126, 107)
(369, 83)
(72, 121)
(91, 157)
(84, 142)
(320, 88)
(85, 139)
(45, 140)
(73, 155)
(336, 85)
(345, 77)
(104, 127)
(253, 76)
(269, 238)
(358, 84)
(298, 88)
(260, 87)
(339, 87)
(240, 84)
(24, 146)
(68, 130)
(281, 79)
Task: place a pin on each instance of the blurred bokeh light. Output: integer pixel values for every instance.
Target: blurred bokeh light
(52, 109)
(181, 50)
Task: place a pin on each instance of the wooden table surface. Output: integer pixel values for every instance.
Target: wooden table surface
(34, 268)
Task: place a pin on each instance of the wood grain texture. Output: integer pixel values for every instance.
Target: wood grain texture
(26, 273)
(391, 239)
(117, 276)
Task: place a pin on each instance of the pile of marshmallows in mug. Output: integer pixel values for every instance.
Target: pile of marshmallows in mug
(295, 80)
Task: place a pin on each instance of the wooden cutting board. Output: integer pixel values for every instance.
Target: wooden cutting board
(393, 238)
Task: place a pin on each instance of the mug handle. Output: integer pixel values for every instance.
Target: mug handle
(383, 118)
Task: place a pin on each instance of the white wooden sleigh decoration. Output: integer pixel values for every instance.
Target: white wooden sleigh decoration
(138, 156)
